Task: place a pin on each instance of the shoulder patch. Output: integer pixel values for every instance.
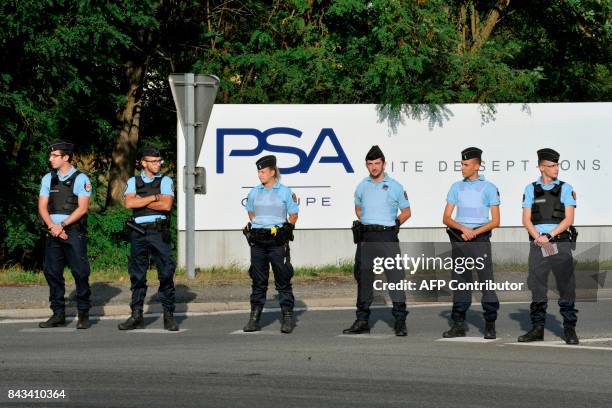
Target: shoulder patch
(294, 197)
(574, 194)
(88, 187)
(405, 195)
(497, 192)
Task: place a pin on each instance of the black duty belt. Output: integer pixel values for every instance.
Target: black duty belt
(263, 233)
(376, 228)
(153, 226)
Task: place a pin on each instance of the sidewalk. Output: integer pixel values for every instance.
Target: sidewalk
(112, 299)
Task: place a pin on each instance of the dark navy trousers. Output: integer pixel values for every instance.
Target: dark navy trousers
(479, 247)
(562, 267)
(151, 244)
(71, 252)
(377, 244)
(268, 253)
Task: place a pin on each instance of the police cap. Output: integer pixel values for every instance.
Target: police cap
(548, 154)
(63, 145)
(266, 161)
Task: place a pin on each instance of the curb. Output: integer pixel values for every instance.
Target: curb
(124, 310)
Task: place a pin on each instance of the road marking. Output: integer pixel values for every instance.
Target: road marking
(267, 310)
(156, 331)
(49, 330)
(562, 344)
(264, 332)
(467, 340)
(367, 336)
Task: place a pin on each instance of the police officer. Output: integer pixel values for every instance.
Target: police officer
(469, 233)
(150, 195)
(269, 232)
(378, 198)
(548, 214)
(62, 205)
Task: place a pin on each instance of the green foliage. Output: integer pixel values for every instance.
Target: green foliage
(65, 62)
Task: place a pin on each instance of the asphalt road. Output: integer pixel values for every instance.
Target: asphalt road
(210, 363)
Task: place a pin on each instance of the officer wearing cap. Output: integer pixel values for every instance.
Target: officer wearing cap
(62, 204)
(548, 214)
(150, 195)
(469, 233)
(273, 211)
(378, 199)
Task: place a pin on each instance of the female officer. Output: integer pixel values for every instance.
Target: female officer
(268, 234)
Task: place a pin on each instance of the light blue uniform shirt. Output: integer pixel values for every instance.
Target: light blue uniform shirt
(567, 199)
(166, 188)
(380, 201)
(81, 188)
(271, 205)
(473, 199)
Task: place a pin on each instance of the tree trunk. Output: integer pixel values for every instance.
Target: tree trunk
(482, 34)
(125, 150)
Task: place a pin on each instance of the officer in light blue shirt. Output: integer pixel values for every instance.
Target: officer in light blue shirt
(270, 206)
(381, 206)
(469, 233)
(273, 211)
(63, 205)
(150, 196)
(166, 187)
(548, 214)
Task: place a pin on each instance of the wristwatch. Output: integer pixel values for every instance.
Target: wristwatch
(548, 236)
(63, 224)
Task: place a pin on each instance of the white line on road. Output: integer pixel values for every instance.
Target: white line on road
(264, 332)
(467, 340)
(49, 330)
(156, 331)
(367, 336)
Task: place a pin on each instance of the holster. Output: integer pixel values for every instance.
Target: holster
(285, 233)
(573, 236)
(131, 224)
(454, 234)
(357, 232)
(248, 234)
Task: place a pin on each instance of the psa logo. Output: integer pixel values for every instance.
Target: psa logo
(305, 159)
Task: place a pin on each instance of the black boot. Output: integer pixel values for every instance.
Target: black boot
(288, 321)
(570, 335)
(83, 320)
(456, 330)
(358, 327)
(58, 319)
(489, 331)
(535, 334)
(169, 322)
(400, 327)
(135, 321)
(253, 323)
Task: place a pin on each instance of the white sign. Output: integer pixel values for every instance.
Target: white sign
(321, 152)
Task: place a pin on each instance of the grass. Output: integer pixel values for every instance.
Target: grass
(238, 274)
(233, 274)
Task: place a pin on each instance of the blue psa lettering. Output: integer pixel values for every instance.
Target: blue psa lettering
(304, 160)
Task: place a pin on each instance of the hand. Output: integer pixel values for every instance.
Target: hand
(63, 235)
(468, 234)
(56, 229)
(542, 240)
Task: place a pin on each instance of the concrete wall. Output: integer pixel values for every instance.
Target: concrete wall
(325, 247)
